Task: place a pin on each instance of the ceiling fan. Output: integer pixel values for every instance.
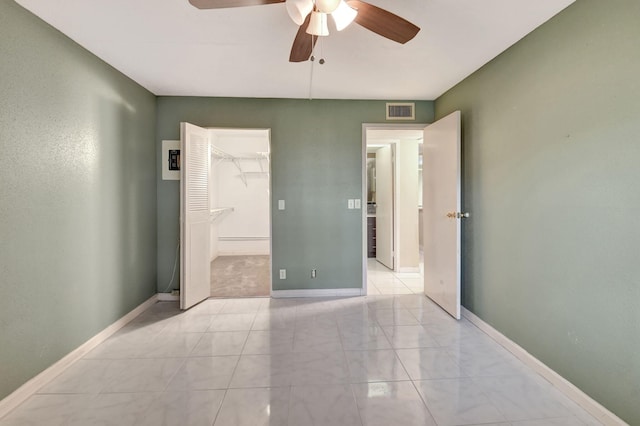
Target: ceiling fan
(311, 16)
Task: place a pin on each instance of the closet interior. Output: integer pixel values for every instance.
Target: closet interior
(239, 213)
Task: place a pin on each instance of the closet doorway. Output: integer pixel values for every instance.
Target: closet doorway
(240, 204)
(225, 220)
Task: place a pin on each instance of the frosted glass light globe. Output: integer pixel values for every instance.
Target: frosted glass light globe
(327, 6)
(299, 9)
(344, 15)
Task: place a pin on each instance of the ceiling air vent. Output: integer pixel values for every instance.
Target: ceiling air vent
(401, 111)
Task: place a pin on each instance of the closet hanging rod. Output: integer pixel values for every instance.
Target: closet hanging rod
(243, 238)
(257, 158)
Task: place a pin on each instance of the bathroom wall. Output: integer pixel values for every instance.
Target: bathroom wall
(407, 197)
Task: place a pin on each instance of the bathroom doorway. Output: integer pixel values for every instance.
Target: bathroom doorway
(392, 187)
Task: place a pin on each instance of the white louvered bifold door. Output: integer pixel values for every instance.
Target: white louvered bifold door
(195, 271)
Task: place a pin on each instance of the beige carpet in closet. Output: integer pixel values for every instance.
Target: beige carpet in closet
(240, 276)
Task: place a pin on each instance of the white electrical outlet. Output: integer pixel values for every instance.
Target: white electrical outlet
(283, 274)
(350, 203)
(357, 204)
(280, 204)
(313, 273)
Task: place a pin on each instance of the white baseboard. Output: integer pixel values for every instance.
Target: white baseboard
(325, 292)
(593, 407)
(244, 253)
(35, 384)
(167, 297)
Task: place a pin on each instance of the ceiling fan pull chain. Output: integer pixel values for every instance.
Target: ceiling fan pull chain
(313, 48)
(321, 52)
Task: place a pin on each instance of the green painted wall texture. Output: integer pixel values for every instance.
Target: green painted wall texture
(316, 148)
(551, 172)
(77, 196)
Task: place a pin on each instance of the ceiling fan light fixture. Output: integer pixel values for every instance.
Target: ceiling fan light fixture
(343, 15)
(299, 9)
(327, 6)
(318, 24)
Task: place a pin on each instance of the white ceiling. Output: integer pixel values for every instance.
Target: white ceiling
(172, 48)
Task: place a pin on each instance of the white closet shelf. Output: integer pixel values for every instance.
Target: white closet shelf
(223, 155)
(259, 157)
(218, 153)
(215, 214)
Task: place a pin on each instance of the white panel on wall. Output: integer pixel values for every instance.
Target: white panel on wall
(166, 173)
(407, 197)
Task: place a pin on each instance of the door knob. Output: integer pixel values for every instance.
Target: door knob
(457, 215)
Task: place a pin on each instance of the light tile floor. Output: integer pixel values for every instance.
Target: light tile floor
(365, 361)
(382, 280)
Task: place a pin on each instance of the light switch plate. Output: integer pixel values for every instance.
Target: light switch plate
(280, 204)
(350, 203)
(283, 274)
(357, 204)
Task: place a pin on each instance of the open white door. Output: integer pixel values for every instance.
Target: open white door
(441, 209)
(384, 206)
(195, 272)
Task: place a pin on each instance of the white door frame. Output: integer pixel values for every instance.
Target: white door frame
(380, 126)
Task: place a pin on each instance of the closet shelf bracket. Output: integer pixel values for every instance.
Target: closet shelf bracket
(260, 157)
(219, 213)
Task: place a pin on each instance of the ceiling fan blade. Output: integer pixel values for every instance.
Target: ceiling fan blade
(223, 4)
(383, 22)
(303, 43)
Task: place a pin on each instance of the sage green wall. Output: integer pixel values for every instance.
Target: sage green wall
(77, 196)
(316, 165)
(551, 173)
